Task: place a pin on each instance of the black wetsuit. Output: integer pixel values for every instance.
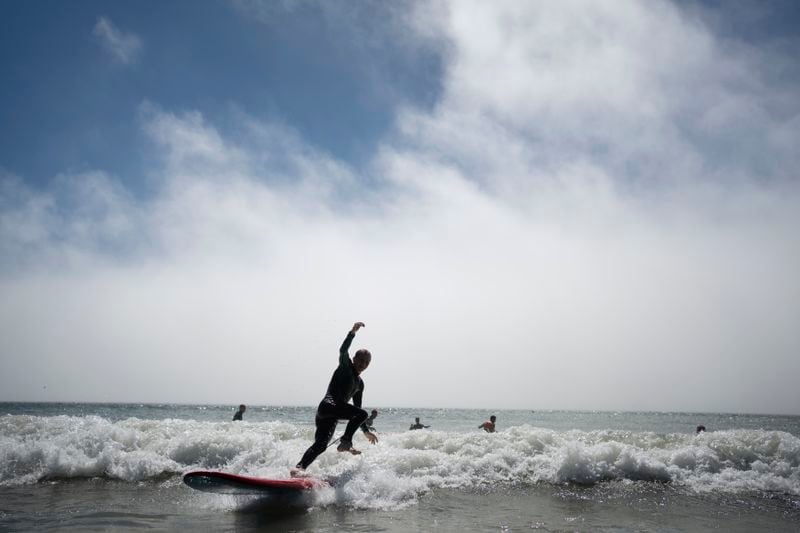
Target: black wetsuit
(237, 415)
(345, 384)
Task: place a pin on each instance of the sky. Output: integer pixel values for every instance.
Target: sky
(531, 205)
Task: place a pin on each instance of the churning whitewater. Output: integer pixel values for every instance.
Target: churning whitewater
(405, 464)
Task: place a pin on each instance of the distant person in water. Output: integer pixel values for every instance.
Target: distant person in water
(417, 425)
(700, 429)
(370, 422)
(238, 414)
(488, 426)
(345, 384)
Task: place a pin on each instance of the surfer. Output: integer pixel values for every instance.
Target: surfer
(488, 426)
(417, 425)
(371, 420)
(238, 414)
(345, 384)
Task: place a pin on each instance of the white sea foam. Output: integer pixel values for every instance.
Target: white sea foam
(403, 465)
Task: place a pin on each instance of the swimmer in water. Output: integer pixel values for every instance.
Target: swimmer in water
(488, 426)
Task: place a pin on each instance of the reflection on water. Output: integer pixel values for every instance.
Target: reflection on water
(618, 505)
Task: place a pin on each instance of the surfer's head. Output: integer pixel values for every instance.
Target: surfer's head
(361, 360)
(493, 419)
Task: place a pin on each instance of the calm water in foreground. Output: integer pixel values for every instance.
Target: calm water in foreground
(103, 466)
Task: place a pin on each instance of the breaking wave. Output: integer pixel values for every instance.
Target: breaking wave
(404, 465)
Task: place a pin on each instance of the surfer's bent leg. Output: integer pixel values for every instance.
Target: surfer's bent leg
(325, 428)
(356, 417)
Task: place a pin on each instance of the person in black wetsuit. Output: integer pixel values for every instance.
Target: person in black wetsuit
(238, 414)
(345, 384)
(417, 425)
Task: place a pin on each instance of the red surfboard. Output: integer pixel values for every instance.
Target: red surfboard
(224, 483)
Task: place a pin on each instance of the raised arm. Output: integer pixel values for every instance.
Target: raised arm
(344, 355)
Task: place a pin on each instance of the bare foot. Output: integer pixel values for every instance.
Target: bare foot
(297, 472)
(350, 449)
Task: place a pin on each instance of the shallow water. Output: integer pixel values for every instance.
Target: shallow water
(167, 506)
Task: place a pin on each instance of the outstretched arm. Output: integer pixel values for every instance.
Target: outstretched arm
(344, 355)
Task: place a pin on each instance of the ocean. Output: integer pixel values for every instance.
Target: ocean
(97, 467)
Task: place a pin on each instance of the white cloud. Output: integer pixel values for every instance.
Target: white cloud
(525, 244)
(123, 47)
(641, 90)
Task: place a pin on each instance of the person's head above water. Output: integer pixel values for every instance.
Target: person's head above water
(417, 419)
(361, 360)
(374, 412)
(242, 408)
(493, 418)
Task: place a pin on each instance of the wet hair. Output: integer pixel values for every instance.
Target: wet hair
(492, 418)
(242, 407)
(701, 428)
(374, 411)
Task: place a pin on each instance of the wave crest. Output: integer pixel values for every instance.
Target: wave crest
(404, 464)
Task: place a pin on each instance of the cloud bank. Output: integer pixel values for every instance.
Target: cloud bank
(600, 212)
